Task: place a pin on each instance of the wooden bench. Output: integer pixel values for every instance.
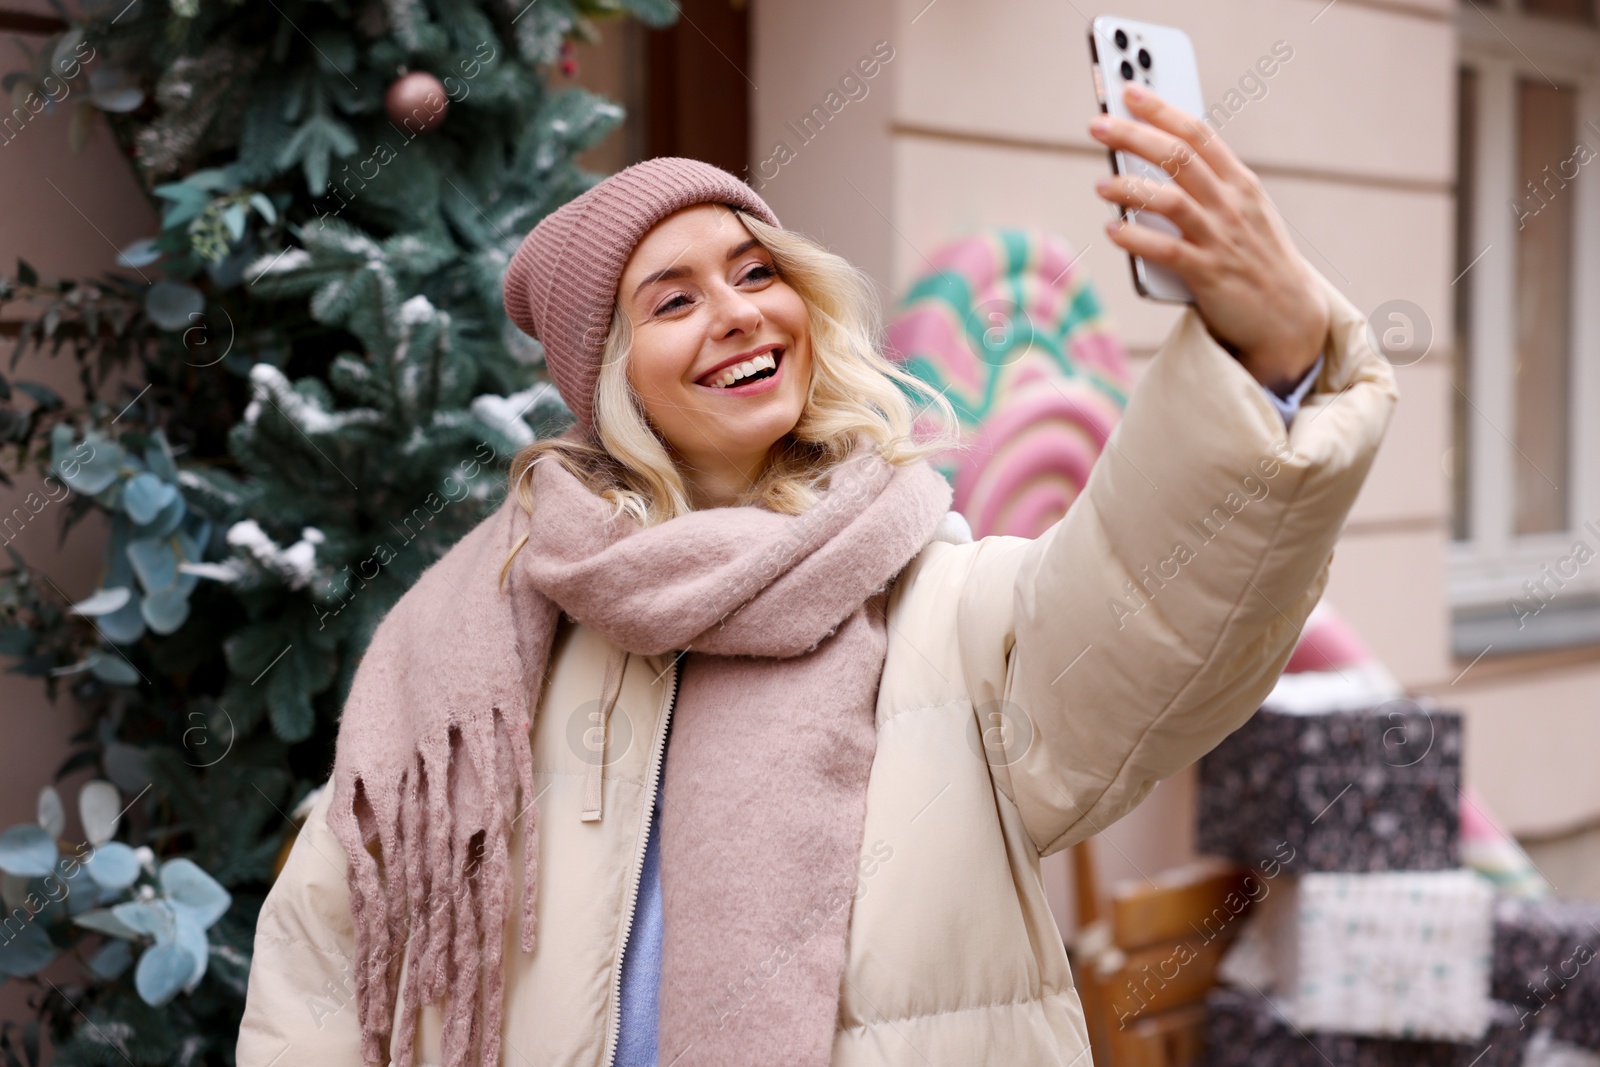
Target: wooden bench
(1145, 957)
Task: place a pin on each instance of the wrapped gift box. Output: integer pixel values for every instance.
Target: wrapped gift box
(1576, 1012)
(1247, 1029)
(1543, 949)
(1392, 954)
(1577, 1021)
(1396, 954)
(1374, 790)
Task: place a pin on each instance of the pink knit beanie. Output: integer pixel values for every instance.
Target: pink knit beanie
(561, 285)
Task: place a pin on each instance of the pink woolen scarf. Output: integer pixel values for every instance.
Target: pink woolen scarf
(773, 736)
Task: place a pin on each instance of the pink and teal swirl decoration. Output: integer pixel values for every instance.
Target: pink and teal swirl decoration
(1006, 324)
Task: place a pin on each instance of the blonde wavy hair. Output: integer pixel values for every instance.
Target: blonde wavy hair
(855, 389)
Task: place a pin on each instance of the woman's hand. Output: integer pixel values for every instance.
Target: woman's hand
(1252, 287)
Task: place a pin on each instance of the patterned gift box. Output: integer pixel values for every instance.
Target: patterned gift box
(1247, 1029)
(1547, 956)
(1577, 1020)
(1547, 960)
(1374, 790)
(1396, 954)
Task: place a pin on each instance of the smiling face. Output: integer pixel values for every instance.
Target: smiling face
(721, 353)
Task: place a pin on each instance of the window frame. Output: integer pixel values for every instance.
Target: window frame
(1487, 571)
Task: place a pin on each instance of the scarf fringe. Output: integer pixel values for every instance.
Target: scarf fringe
(441, 933)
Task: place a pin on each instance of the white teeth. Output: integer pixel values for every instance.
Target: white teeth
(743, 370)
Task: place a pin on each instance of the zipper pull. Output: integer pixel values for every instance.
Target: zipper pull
(596, 736)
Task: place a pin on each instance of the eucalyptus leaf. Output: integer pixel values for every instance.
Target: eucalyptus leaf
(111, 667)
(264, 207)
(63, 54)
(152, 918)
(27, 850)
(154, 561)
(102, 601)
(141, 253)
(90, 468)
(113, 865)
(112, 959)
(162, 972)
(46, 899)
(28, 952)
(144, 495)
(86, 893)
(192, 938)
(158, 457)
(172, 305)
(233, 216)
(184, 192)
(186, 884)
(17, 641)
(118, 100)
(213, 179)
(52, 816)
(100, 807)
(166, 610)
(165, 522)
(106, 922)
(114, 90)
(125, 625)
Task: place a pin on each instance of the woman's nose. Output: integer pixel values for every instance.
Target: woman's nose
(733, 310)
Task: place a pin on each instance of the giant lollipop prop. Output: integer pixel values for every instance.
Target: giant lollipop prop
(1008, 327)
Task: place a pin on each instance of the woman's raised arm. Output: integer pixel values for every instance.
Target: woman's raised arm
(1152, 620)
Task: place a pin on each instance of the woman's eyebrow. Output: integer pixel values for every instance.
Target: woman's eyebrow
(679, 271)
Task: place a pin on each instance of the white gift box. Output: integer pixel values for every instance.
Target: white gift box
(1401, 954)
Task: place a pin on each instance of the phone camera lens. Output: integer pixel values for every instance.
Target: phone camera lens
(1144, 59)
(1121, 39)
(1127, 71)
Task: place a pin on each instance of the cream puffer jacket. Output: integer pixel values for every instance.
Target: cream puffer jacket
(1034, 692)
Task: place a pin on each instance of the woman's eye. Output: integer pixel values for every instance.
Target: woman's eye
(760, 272)
(672, 305)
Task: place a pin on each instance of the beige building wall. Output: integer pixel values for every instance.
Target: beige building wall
(980, 119)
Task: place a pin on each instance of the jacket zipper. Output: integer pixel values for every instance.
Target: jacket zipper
(614, 1023)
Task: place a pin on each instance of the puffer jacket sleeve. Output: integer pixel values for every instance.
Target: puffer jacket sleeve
(1154, 618)
(300, 1006)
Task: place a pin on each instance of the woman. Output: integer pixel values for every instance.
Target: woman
(878, 726)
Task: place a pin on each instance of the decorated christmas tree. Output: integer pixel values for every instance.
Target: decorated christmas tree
(318, 393)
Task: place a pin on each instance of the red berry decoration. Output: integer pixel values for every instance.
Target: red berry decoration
(417, 101)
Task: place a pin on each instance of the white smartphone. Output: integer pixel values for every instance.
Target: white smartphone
(1161, 58)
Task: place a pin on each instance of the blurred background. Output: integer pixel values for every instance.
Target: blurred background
(1434, 159)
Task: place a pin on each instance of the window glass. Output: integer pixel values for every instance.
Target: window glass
(1546, 164)
(1461, 351)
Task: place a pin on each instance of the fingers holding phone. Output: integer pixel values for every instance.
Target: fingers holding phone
(1196, 222)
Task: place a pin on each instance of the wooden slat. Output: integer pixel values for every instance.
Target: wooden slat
(1172, 1039)
(1085, 885)
(1161, 977)
(1199, 899)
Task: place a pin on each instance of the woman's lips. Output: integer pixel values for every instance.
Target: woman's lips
(753, 388)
